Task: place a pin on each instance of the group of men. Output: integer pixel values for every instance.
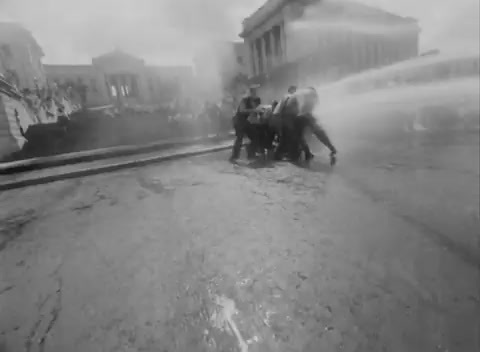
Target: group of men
(279, 129)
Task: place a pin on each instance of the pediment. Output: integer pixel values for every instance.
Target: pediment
(118, 60)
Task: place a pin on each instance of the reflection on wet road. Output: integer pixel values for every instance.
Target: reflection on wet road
(379, 254)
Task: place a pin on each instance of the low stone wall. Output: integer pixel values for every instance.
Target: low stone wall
(91, 130)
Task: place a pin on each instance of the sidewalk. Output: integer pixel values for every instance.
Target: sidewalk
(97, 154)
(69, 171)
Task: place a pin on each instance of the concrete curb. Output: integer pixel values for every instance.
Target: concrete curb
(98, 154)
(106, 168)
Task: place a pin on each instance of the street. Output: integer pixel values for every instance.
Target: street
(380, 253)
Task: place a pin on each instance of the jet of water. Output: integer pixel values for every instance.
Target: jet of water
(442, 80)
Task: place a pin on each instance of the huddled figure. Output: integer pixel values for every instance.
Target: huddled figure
(279, 129)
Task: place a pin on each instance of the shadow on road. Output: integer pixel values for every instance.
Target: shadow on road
(315, 166)
(320, 167)
(255, 164)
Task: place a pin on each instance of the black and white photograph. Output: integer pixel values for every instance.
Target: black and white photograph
(239, 176)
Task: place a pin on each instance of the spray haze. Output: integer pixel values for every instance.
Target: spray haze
(73, 31)
(447, 84)
(450, 25)
(445, 24)
(162, 32)
(171, 31)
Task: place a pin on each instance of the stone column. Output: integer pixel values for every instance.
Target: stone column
(264, 53)
(123, 84)
(255, 57)
(130, 85)
(283, 41)
(275, 45)
(114, 84)
(280, 56)
(252, 58)
(273, 57)
(381, 51)
(259, 55)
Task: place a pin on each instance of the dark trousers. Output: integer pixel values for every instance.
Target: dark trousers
(283, 142)
(291, 141)
(292, 138)
(244, 129)
(304, 121)
(265, 137)
(298, 143)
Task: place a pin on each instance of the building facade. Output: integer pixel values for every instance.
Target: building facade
(310, 42)
(122, 79)
(220, 70)
(80, 76)
(20, 57)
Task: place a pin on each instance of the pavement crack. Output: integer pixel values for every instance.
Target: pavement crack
(98, 196)
(82, 207)
(36, 325)
(54, 313)
(42, 327)
(12, 227)
(6, 289)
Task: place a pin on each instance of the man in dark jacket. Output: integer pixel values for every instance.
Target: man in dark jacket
(247, 107)
(283, 114)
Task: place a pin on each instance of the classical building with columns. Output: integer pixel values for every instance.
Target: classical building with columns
(122, 79)
(313, 42)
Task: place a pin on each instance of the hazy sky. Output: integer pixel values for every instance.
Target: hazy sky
(167, 31)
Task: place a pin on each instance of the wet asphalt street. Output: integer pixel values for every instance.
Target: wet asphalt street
(380, 253)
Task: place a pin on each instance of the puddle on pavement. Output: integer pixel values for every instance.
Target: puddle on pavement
(222, 319)
(154, 185)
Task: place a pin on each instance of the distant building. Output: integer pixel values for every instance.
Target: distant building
(120, 78)
(80, 75)
(20, 57)
(219, 68)
(313, 41)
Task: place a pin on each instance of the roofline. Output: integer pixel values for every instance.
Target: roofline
(168, 66)
(115, 52)
(282, 3)
(68, 66)
(170, 69)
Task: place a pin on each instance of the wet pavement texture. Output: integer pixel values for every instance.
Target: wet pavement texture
(380, 253)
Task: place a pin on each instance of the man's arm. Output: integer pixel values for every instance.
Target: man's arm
(243, 108)
(278, 109)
